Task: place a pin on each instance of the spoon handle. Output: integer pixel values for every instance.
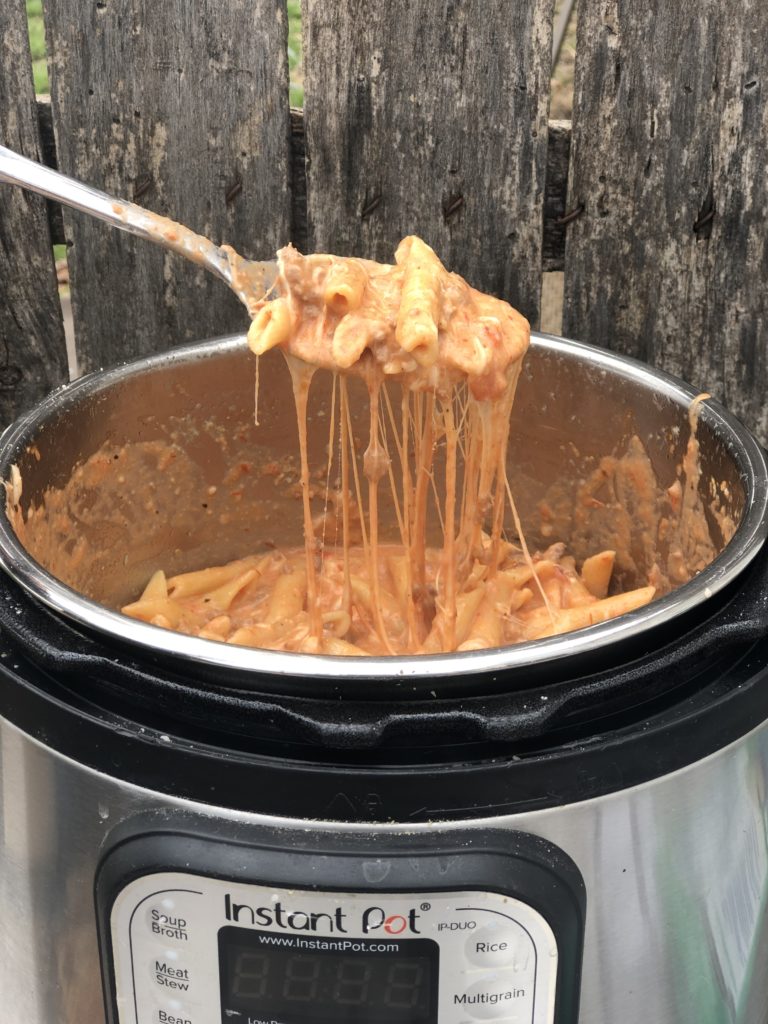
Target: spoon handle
(18, 170)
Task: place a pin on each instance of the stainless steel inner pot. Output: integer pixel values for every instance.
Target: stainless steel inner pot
(178, 476)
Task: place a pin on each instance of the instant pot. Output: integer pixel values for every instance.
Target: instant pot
(191, 833)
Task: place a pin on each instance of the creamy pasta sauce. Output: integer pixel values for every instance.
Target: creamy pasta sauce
(441, 363)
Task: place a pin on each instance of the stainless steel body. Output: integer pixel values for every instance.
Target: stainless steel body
(676, 872)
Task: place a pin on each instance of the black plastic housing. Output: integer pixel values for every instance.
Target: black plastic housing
(514, 864)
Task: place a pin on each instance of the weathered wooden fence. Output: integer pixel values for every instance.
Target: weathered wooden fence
(425, 116)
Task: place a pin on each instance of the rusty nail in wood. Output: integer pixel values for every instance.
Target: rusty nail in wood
(370, 206)
(699, 224)
(568, 217)
(233, 191)
(142, 186)
(453, 206)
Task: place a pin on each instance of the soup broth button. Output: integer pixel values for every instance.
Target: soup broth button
(167, 919)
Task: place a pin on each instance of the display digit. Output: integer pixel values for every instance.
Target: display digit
(403, 986)
(250, 974)
(352, 982)
(301, 977)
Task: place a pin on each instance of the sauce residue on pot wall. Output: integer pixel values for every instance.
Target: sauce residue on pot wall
(665, 535)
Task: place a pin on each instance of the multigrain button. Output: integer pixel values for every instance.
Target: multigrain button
(495, 998)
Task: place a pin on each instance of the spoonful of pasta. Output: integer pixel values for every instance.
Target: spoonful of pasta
(248, 279)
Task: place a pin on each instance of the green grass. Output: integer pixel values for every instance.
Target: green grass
(37, 44)
(294, 53)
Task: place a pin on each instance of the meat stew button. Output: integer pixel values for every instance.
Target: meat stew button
(170, 970)
(496, 997)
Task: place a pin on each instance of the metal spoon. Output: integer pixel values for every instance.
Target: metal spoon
(248, 279)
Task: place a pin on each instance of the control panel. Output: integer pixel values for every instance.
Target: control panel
(187, 947)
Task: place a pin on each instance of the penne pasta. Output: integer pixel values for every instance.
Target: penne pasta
(337, 623)
(190, 584)
(271, 327)
(419, 312)
(221, 598)
(487, 628)
(335, 646)
(265, 605)
(350, 339)
(258, 635)
(287, 598)
(157, 588)
(467, 606)
(362, 593)
(344, 287)
(146, 610)
(568, 619)
(596, 573)
(217, 629)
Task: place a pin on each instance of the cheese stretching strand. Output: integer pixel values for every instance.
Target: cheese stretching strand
(455, 354)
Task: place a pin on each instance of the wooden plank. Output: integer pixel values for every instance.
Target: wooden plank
(431, 118)
(668, 260)
(33, 357)
(558, 160)
(183, 108)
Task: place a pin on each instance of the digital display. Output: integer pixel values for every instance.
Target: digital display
(289, 979)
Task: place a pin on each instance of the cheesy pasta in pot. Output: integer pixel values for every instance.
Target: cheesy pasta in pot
(440, 362)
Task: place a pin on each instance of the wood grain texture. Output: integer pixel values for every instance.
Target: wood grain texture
(33, 357)
(558, 161)
(183, 108)
(431, 118)
(669, 259)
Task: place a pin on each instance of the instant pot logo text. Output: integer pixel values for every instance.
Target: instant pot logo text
(372, 919)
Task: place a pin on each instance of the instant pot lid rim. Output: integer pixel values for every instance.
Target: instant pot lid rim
(751, 534)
